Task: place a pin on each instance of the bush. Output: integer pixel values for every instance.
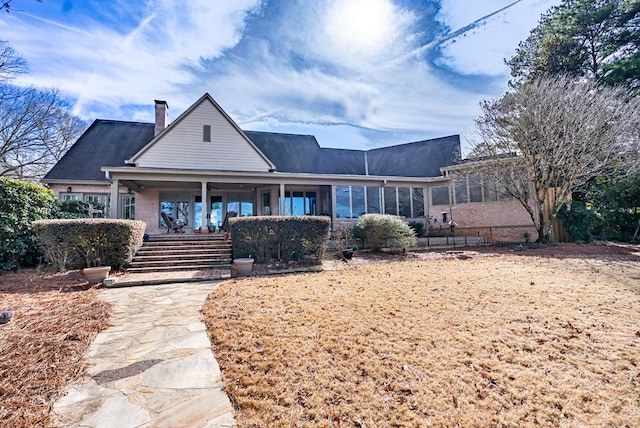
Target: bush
(21, 203)
(279, 238)
(79, 243)
(418, 228)
(386, 231)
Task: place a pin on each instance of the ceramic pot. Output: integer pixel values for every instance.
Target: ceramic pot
(244, 266)
(96, 274)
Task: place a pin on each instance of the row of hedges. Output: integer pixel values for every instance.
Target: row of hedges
(79, 243)
(279, 238)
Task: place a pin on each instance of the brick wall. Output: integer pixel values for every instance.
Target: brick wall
(503, 221)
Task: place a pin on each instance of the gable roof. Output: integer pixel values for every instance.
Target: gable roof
(183, 125)
(104, 143)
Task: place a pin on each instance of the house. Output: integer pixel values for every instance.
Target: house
(203, 165)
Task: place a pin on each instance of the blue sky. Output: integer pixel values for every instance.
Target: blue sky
(355, 73)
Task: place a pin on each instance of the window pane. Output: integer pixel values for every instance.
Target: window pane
(129, 207)
(343, 204)
(167, 208)
(418, 202)
(206, 133)
(390, 201)
(311, 203)
(489, 188)
(475, 189)
(461, 190)
(215, 215)
(440, 195)
(246, 209)
(357, 201)
(373, 200)
(297, 203)
(404, 202)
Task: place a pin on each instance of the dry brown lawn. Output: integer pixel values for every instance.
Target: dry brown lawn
(42, 347)
(492, 337)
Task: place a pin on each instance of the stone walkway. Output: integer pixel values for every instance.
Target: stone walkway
(153, 367)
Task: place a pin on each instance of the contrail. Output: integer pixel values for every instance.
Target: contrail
(437, 42)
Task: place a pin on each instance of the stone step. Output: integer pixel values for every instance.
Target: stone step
(177, 268)
(180, 257)
(177, 262)
(201, 243)
(180, 251)
(162, 253)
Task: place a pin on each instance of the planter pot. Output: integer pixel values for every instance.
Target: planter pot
(212, 229)
(243, 266)
(96, 274)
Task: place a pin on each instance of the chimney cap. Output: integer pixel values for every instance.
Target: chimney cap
(161, 102)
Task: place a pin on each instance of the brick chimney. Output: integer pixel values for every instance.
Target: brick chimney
(162, 116)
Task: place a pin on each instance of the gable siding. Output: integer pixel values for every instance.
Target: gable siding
(182, 147)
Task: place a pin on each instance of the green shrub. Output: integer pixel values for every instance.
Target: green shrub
(279, 238)
(79, 243)
(418, 228)
(386, 231)
(21, 203)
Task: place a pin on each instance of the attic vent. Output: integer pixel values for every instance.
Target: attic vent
(206, 133)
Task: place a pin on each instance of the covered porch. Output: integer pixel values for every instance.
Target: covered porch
(199, 200)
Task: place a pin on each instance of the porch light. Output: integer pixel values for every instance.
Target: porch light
(69, 189)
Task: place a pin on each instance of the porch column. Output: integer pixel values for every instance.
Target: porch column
(115, 199)
(281, 200)
(205, 206)
(334, 215)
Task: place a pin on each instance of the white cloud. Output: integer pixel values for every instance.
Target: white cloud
(94, 62)
(342, 69)
(483, 49)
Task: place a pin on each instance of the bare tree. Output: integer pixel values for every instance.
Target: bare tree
(11, 64)
(551, 136)
(36, 126)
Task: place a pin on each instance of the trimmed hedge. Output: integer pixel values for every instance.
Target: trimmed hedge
(279, 238)
(21, 203)
(385, 231)
(79, 243)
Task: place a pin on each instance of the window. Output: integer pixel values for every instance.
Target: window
(418, 202)
(70, 196)
(489, 190)
(390, 201)
(440, 195)
(475, 188)
(460, 187)
(129, 207)
(357, 201)
(404, 202)
(373, 200)
(266, 203)
(241, 203)
(176, 206)
(206, 133)
(300, 203)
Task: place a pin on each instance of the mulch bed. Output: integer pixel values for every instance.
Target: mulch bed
(42, 347)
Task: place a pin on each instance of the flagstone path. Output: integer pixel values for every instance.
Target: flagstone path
(153, 367)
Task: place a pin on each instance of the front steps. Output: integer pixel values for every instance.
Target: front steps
(179, 252)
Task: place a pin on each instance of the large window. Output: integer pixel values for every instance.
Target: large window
(241, 203)
(176, 206)
(300, 203)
